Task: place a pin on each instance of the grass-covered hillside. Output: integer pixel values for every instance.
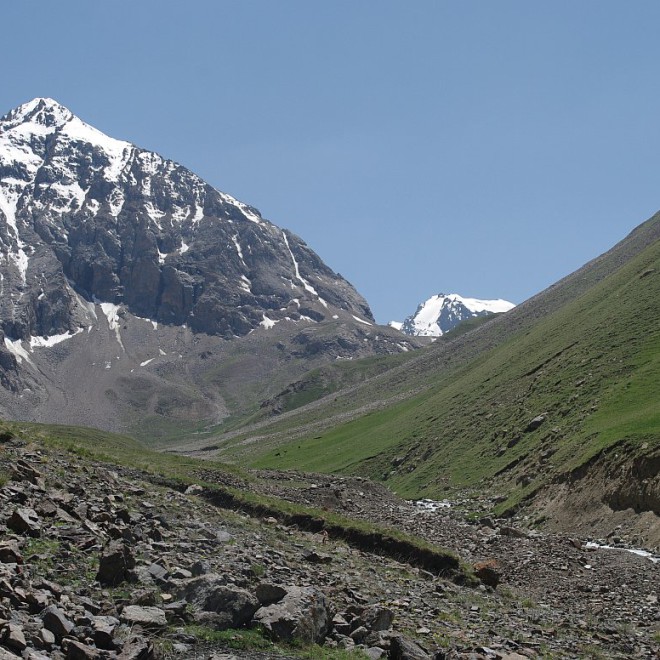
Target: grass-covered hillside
(583, 359)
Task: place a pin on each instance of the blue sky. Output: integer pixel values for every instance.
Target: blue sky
(485, 148)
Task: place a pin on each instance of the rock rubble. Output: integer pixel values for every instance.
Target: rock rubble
(104, 564)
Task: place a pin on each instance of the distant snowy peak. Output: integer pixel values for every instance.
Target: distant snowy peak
(443, 312)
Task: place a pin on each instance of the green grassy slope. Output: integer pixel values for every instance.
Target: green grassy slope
(428, 368)
(588, 359)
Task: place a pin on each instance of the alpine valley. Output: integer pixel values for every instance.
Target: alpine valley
(209, 450)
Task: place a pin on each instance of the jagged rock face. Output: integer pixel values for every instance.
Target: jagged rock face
(82, 211)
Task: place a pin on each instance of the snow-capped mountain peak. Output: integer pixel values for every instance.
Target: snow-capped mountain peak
(26, 128)
(122, 272)
(443, 312)
(44, 112)
(126, 226)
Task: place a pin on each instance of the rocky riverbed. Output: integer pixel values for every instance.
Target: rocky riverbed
(98, 561)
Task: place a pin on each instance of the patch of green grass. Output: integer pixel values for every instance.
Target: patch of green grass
(5, 477)
(240, 639)
(254, 640)
(593, 652)
(340, 449)
(40, 546)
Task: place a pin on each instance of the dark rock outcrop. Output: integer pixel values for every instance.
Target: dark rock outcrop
(303, 615)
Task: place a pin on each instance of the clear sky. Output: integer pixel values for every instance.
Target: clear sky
(478, 147)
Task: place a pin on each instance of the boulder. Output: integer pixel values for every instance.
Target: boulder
(56, 622)
(24, 521)
(402, 648)
(116, 562)
(137, 648)
(147, 617)
(76, 650)
(375, 652)
(488, 572)
(535, 423)
(23, 471)
(304, 615)
(9, 552)
(376, 618)
(218, 604)
(316, 557)
(13, 637)
(268, 593)
(514, 532)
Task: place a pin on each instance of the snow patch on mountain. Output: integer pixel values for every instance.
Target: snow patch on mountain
(307, 286)
(41, 342)
(15, 346)
(111, 312)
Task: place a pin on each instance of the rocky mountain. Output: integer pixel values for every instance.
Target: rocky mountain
(113, 258)
(443, 312)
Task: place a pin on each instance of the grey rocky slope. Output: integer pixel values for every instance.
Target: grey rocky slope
(99, 561)
(115, 259)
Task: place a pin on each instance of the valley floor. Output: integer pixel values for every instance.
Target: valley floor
(555, 598)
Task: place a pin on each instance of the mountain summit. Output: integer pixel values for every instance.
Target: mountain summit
(116, 258)
(80, 210)
(443, 312)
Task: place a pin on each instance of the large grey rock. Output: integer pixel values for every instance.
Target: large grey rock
(304, 614)
(13, 637)
(76, 650)
(137, 648)
(9, 552)
(56, 621)
(268, 593)
(23, 471)
(116, 562)
(535, 423)
(218, 604)
(376, 618)
(148, 617)
(402, 648)
(24, 521)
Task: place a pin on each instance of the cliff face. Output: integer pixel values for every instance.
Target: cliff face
(82, 211)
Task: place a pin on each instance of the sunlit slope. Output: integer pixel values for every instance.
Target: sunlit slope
(427, 369)
(589, 365)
